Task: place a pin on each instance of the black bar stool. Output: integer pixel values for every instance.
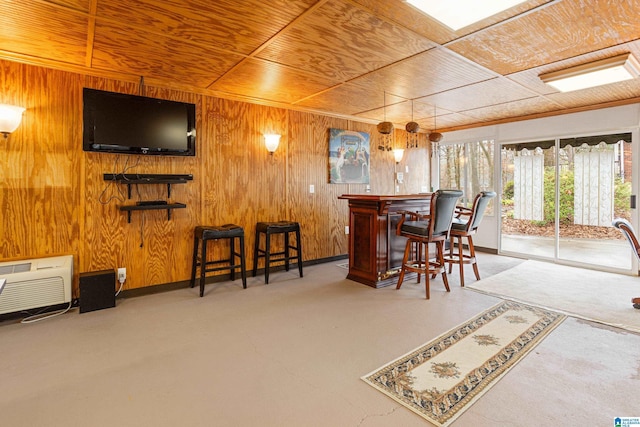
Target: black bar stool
(280, 227)
(207, 233)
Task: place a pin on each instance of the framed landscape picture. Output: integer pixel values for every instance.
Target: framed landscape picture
(349, 153)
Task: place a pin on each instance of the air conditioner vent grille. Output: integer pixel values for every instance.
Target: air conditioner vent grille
(33, 293)
(48, 283)
(15, 268)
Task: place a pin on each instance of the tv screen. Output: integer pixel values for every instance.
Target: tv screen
(131, 124)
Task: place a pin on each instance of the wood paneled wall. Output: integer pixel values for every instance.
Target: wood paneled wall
(54, 199)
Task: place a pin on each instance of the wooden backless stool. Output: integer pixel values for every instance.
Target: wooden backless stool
(280, 227)
(205, 234)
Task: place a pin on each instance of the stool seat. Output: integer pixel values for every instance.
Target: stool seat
(201, 236)
(218, 231)
(277, 227)
(269, 229)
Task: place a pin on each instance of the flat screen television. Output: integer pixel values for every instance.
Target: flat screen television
(131, 124)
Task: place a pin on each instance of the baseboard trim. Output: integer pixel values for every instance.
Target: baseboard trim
(487, 250)
(166, 287)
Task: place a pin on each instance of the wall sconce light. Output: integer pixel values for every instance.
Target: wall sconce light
(397, 154)
(10, 117)
(605, 71)
(271, 141)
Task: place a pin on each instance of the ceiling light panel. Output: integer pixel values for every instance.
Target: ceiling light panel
(611, 70)
(457, 14)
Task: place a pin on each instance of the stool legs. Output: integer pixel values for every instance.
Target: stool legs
(462, 258)
(259, 253)
(267, 257)
(472, 253)
(194, 261)
(243, 269)
(200, 245)
(424, 266)
(256, 249)
(286, 251)
(203, 266)
(271, 257)
(232, 254)
(299, 251)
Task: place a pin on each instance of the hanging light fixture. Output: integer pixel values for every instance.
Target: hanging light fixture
(435, 136)
(385, 128)
(412, 129)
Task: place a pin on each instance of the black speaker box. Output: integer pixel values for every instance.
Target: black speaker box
(97, 290)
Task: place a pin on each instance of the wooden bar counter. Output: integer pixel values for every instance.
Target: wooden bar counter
(375, 252)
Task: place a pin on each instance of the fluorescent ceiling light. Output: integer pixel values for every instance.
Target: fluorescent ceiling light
(457, 14)
(598, 73)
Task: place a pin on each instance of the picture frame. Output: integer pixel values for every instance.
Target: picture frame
(349, 156)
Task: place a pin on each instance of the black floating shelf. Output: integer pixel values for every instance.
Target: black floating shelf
(130, 179)
(167, 206)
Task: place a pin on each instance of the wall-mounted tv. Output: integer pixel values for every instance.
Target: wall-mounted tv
(131, 124)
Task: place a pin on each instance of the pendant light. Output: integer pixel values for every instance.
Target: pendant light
(412, 129)
(385, 128)
(435, 136)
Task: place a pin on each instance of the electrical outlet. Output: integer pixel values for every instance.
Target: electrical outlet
(122, 274)
(312, 188)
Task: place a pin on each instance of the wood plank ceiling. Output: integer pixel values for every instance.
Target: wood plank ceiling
(336, 57)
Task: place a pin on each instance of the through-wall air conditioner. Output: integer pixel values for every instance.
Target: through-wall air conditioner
(34, 283)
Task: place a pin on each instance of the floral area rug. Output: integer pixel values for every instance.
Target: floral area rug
(439, 380)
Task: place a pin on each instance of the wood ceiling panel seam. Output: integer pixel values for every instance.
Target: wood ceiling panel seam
(57, 64)
(91, 31)
(213, 48)
(541, 95)
(563, 32)
(283, 30)
(495, 73)
(494, 25)
(499, 23)
(497, 105)
(346, 41)
(354, 79)
(443, 47)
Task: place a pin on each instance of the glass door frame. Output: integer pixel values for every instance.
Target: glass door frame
(634, 191)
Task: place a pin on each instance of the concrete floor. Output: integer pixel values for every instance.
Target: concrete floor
(291, 353)
(608, 254)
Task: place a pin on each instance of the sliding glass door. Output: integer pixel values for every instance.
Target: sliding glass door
(559, 198)
(528, 184)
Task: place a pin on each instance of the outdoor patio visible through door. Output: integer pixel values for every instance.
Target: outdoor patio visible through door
(560, 196)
